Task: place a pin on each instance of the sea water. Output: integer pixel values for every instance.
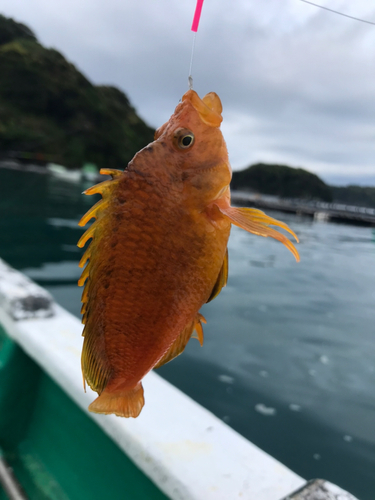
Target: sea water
(289, 353)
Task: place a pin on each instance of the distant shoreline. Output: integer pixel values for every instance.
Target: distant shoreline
(299, 184)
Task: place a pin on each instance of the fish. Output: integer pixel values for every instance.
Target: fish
(158, 253)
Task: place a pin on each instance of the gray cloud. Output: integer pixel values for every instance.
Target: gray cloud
(297, 83)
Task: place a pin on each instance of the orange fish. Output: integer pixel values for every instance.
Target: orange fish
(158, 253)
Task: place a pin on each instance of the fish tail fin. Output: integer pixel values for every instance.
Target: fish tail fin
(128, 403)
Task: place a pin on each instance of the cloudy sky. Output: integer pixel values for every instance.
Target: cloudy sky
(297, 82)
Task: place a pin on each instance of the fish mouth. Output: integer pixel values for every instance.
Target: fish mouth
(209, 108)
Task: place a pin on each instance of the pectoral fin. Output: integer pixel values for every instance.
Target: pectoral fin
(257, 222)
(222, 279)
(180, 343)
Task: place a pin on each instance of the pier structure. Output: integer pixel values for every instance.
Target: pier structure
(319, 210)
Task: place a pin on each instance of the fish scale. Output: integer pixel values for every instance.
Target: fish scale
(156, 280)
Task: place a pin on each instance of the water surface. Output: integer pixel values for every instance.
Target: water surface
(289, 353)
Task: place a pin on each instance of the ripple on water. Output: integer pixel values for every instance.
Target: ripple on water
(267, 411)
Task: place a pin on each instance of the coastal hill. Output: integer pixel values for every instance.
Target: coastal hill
(283, 181)
(288, 182)
(51, 112)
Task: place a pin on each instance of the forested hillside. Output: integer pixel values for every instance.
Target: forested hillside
(50, 111)
(280, 180)
(288, 182)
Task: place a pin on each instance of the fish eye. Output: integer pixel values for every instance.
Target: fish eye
(184, 138)
(186, 141)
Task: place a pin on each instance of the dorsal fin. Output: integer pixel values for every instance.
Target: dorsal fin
(94, 211)
(93, 369)
(113, 172)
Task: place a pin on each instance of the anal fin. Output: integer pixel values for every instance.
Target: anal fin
(222, 279)
(198, 328)
(180, 343)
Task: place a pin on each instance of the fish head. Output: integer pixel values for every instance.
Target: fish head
(196, 152)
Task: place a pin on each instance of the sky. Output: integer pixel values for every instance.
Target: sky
(297, 82)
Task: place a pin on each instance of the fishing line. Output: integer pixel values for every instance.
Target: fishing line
(340, 13)
(190, 77)
(194, 28)
(197, 15)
